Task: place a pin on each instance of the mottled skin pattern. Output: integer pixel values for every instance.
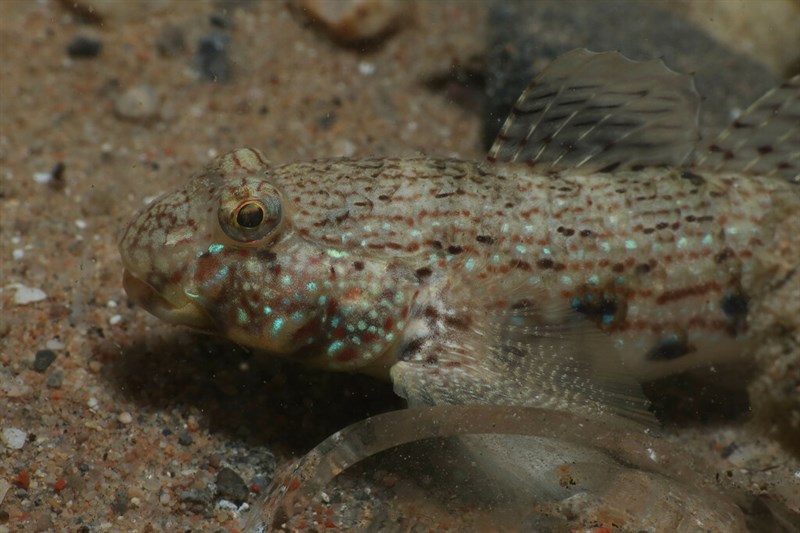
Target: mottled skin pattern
(533, 278)
(664, 260)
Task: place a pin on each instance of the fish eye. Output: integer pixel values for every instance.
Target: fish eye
(251, 219)
(250, 214)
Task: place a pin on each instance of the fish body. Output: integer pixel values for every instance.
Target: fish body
(587, 253)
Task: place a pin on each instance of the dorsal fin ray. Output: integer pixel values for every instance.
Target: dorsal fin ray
(764, 140)
(601, 111)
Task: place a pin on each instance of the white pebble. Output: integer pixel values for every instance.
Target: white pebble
(81, 224)
(140, 103)
(18, 254)
(366, 69)
(26, 295)
(125, 417)
(13, 438)
(92, 403)
(42, 178)
(114, 320)
(55, 344)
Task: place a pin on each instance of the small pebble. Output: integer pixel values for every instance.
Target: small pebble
(125, 418)
(352, 21)
(184, 438)
(114, 320)
(55, 344)
(26, 295)
(43, 359)
(138, 104)
(13, 438)
(212, 57)
(83, 47)
(231, 486)
(366, 69)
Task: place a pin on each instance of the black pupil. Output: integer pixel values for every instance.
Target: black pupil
(250, 215)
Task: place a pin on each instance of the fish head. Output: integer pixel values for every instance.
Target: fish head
(220, 255)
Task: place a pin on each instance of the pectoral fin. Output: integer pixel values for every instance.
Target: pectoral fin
(523, 354)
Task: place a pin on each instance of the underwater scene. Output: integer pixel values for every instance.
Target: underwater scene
(400, 265)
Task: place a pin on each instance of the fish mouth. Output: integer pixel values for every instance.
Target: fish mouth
(186, 313)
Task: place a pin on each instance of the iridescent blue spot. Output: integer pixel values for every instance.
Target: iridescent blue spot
(708, 239)
(495, 258)
(620, 280)
(373, 314)
(535, 280)
(222, 273)
(362, 325)
(576, 302)
(372, 329)
(546, 250)
(311, 286)
(594, 279)
(605, 246)
(350, 327)
(566, 280)
(389, 337)
(521, 249)
(335, 346)
(682, 242)
(322, 300)
(356, 341)
(399, 298)
(630, 244)
(505, 228)
(215, 248)
(267, 310)
(286, 279)
(242, 315)
(338, 254)
(469, 264)
(277, 325)
(335, 322)
(297, 316)
(608, 319)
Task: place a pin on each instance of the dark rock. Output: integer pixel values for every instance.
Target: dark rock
(43, 359)
(83, 47)
(526, 36)
(212, 57)
(231, 486)
(184, 438)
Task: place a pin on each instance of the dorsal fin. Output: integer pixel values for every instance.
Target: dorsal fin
(601, 111)
(764, 140)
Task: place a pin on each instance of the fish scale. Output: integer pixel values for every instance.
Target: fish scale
(583, 256)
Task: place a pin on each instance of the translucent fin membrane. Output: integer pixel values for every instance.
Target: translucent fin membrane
(503, 468)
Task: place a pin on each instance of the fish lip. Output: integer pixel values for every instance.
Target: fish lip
(186, 313)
